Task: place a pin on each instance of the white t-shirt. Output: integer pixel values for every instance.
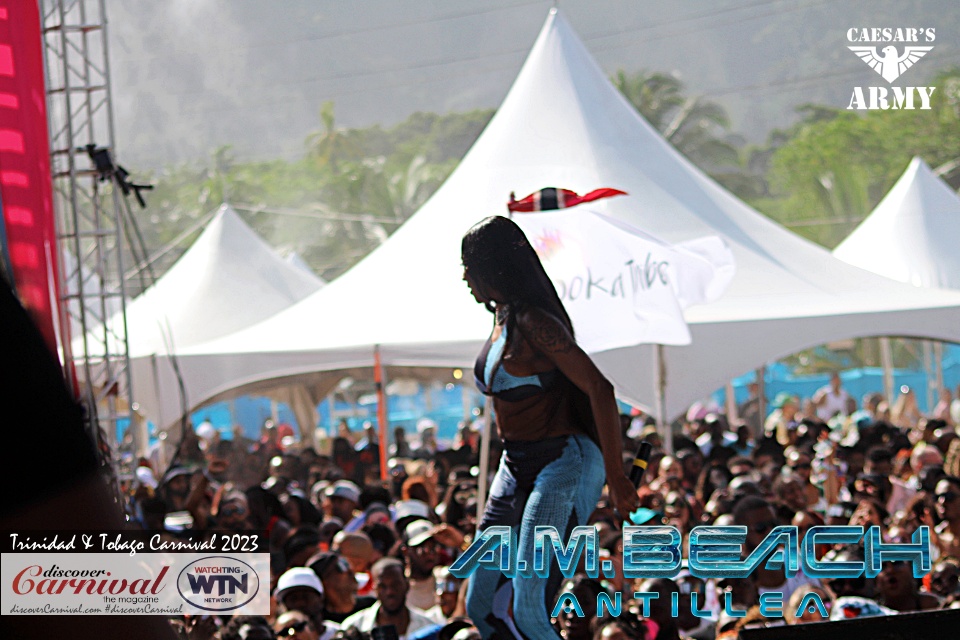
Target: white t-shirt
(833, 403)
(366, 619)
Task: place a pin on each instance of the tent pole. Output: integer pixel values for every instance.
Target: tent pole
(928, 370)
(484, 456)
(141, 434)
(886, 361)
(761, 399)
(380, 383)
(464, 402)
(732, 415)
(938, 368)
(332, 425)
(660, 376)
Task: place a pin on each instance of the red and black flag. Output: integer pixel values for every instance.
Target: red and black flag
(551, 198)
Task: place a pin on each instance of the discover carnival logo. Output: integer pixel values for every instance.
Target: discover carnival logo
(883, 56)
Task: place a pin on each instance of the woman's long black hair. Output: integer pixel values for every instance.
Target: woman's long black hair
(498, 255)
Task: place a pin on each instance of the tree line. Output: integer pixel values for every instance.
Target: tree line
(353, 187)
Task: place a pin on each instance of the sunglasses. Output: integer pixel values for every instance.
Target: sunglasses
(447, 586)
(949, 496)
(232, 510)
(801, 465)
(293, 629)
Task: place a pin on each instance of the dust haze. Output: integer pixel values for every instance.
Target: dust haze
(193, 75)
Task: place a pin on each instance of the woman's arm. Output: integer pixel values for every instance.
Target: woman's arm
(550, 337)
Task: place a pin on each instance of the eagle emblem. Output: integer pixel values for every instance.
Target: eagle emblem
(890, 65)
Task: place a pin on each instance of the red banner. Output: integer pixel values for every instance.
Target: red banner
(26, 189)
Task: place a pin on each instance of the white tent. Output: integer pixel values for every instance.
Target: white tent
(227, 280)
(563, 124)
(913, 235)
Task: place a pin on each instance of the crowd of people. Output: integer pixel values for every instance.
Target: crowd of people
(356, 557)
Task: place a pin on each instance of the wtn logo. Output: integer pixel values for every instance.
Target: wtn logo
(223, 584)
(218, 583)
(890, 64)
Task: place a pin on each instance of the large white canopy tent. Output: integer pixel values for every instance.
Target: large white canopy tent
(563, 124)
(228, 279)
(912, 236)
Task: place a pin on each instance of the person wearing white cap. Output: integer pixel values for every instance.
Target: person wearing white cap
(208, 435)
(406, 511)
(420, 551)
(299, 589)
(427, 429)
(344, 498)
(146, 478)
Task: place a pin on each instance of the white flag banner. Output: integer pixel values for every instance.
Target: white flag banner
(620, 285)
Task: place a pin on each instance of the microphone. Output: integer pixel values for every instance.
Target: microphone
(640, 462)
(637, 471)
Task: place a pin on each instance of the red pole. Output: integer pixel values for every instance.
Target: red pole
(381, 410)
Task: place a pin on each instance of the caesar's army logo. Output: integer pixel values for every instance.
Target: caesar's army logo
(890, 59)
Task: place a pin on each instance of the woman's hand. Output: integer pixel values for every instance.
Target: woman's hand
(622, 494)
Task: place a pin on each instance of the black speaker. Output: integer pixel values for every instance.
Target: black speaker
(925, 625)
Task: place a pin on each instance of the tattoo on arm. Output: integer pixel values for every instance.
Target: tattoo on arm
(551, 337)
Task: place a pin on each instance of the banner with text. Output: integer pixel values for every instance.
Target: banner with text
(620, 285)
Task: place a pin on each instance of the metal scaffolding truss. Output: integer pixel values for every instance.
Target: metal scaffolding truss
(89, 209)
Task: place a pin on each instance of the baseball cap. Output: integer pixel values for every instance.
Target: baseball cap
(377, 507)
(298, 577)
(173, 472)
(326, 560)
(418, 532)
(425, 423)
(451, 628)
(407, 508)
(344, 489)
(146, 478)
(783, 398)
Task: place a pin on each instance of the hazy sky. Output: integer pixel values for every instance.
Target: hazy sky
(190, 75)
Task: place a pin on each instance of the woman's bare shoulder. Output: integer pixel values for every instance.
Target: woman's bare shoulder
(544, 330)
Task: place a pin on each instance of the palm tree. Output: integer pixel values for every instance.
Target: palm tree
(409, 188)
(332, 145)
(692, 125)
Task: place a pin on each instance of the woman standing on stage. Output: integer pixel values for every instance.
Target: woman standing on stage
(553, 408)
